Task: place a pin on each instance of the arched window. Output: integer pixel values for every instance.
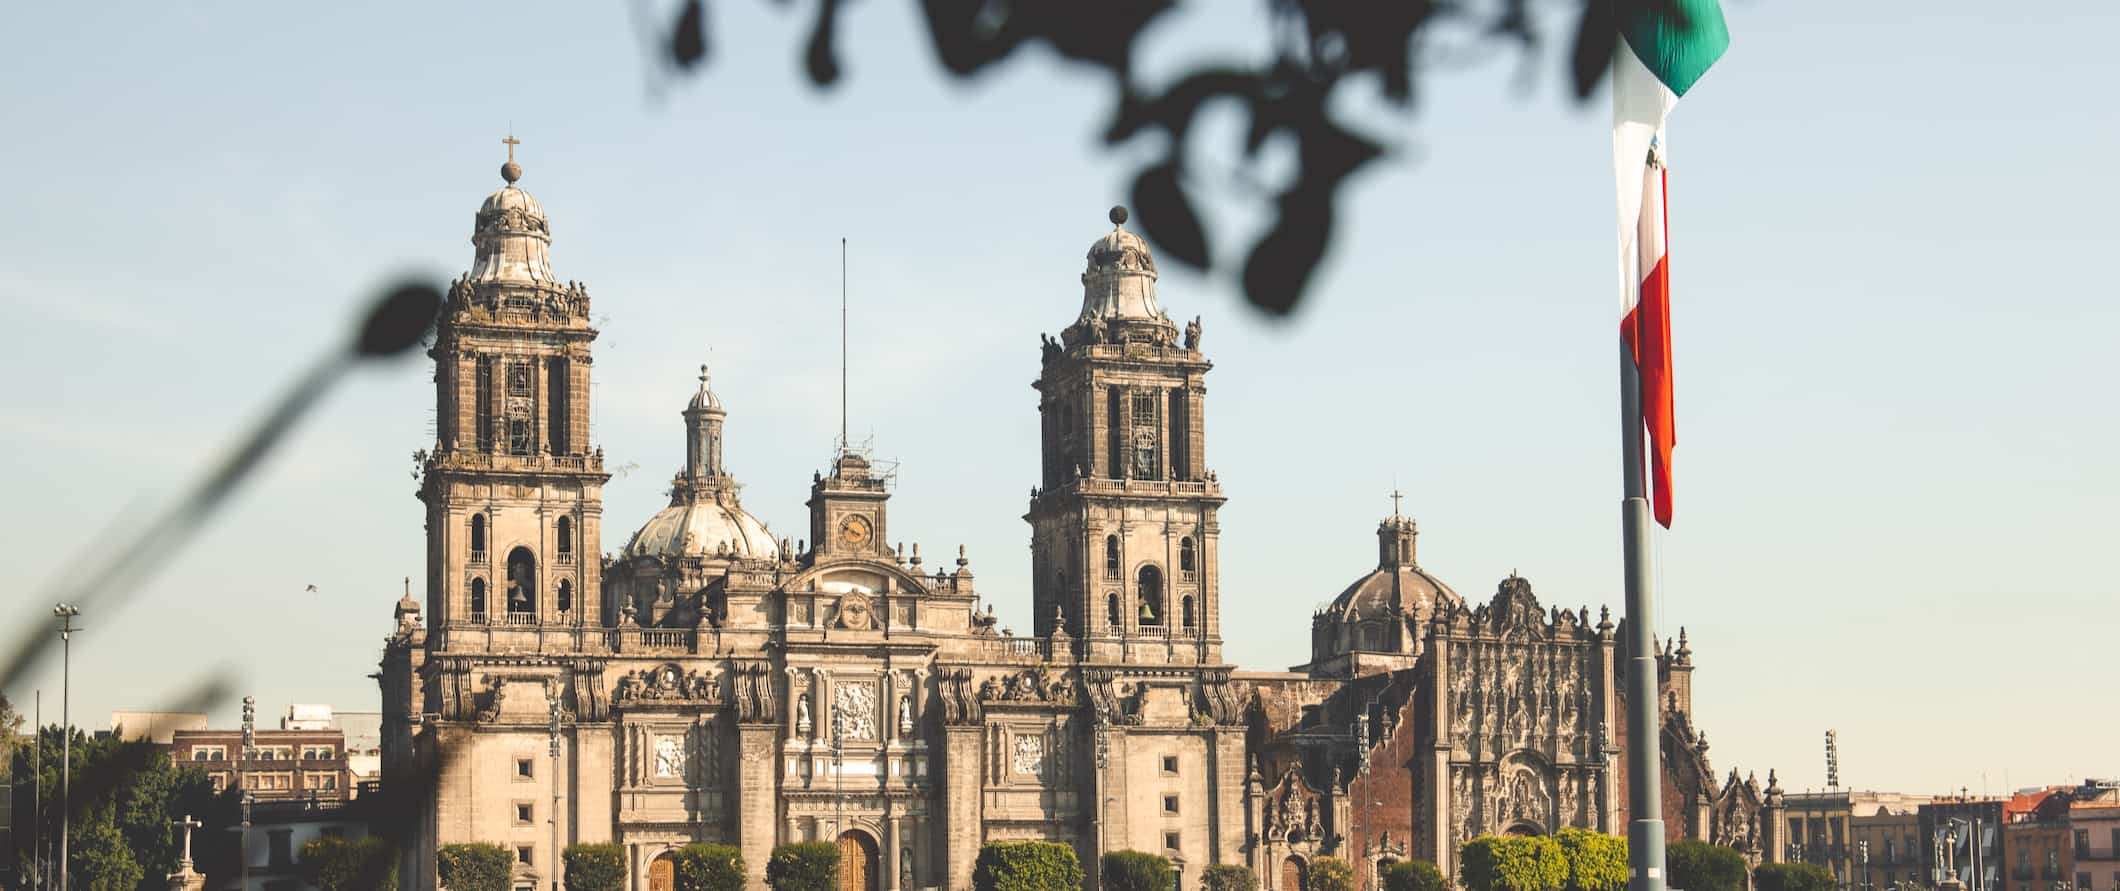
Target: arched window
(1150, 583)
(522, 581)
(566, 536)
(1185, 556)
(478, 600)
(478, 538)
(1111, 556)
(1111, 609)
(565, 596)
(1186, 611)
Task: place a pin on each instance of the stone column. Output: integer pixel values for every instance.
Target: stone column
(961, 804)
(757, 798)
(1441, 846)
(891, 838)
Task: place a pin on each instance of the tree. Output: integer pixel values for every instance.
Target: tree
(1027, 866)
(1492, 863)
(127, 786)
(335, 864)
(1695, 865)
(595, 867)
(1293, 97)
(1596, 861)
(1794, 877)
(1228, 877)
(1134, 871)
(474, 866)
(1329, 874)
(100, 860)
(1415, 875)
(803, 866)
(709, 868)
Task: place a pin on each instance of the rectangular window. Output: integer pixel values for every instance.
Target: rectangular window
(275, 753)
(1147, 465)
(485, 403)
(1180, 437)
(522, 813)
(522, 854)
(1115, 433)
(2115, 844)
(1170, 841)
(319, 753)
(219, 780)
(518, 436)
(523, 767)
(556, 403)
(2083, 843)
(321, 782)
(209, 753)
(2083, 881)
(519, 379)
(1170, 765)
(1170, 804)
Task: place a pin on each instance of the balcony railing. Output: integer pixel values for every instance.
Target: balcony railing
(566, 558)
(480, 618)
(478, 557)
(521, 618)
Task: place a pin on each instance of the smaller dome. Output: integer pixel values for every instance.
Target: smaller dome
(704, 400)
(1119, 282)
(1372, 596)
(511, 198)
(707, 527)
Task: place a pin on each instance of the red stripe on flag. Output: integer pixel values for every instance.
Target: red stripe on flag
(1647, 333)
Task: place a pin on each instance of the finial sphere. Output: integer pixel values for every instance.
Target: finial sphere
(511, 172)
(1118, 215)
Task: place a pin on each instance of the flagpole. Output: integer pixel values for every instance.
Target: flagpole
(1645, 829)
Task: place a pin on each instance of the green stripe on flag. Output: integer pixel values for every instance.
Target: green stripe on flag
(1675, 39)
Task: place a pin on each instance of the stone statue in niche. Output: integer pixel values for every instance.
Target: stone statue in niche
(905, 714)
(802, 714)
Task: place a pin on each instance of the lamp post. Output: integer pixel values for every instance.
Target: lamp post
(243, 847)
(552, 697)
(66, 614)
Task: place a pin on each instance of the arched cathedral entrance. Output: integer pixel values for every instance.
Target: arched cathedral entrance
(857, 861)
(662, 872)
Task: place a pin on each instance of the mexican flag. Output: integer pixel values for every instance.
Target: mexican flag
(1666, 45)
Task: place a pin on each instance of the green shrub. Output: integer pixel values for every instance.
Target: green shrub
(1027, 866)
(1134, 871)
(1228, 877)
(1492, 863)
(803, 866)
(474, 867)
(1596, 861)
(595, 867)
(1329, 874)
(1793, 877)
(709, 868)
(1414, 875)
(1699, 866)
(335, 864)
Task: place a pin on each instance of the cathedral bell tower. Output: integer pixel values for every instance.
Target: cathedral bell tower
(1124, 537)
(512, 487)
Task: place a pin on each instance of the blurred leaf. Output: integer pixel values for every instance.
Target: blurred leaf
(1281, 263)
(688, 38)
(1596, 36)
(1167, 217)
(821, 59)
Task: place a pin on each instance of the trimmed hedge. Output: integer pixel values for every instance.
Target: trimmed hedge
(1596, 861)
(335, 864)
(1329, 874)
(709, 868)
(1134, 871)
(1415, 875)
(1228, 877)
(1027, 866)
(595, 867)
(803, 866)
(474, 867)
(1794, 877)
(1529, 863)
(1699, 866)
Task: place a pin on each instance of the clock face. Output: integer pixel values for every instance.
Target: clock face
(854, 530)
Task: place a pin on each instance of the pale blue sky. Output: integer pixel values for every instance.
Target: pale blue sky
(1893, 229)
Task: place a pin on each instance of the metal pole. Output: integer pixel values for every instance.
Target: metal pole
(243, 847)
(554, 700)
(36, 794)
(66, 616)
(1645, 829)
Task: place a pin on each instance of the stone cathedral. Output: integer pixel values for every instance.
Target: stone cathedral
(711, 681)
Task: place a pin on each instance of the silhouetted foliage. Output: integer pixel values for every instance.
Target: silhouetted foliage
(710, 868)
(474, 866)
(1134, 871)
(1699, 866)
(1793, 877)
(803, 866)
(1228, 877)
(335, 864)
(1319, 47)
(1514, 863)
(1415, 875)
(1596, 861)
(599, 866)
(122, 792)
(1026, 866)
(1329, 874)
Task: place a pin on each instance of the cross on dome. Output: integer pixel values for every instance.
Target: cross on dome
(511, 171)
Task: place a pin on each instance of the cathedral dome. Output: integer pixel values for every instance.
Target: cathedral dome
(1120, 280)
(1383, 611)
(511, 234)
(707, 527)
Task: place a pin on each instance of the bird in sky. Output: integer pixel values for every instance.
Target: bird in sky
(311, 589)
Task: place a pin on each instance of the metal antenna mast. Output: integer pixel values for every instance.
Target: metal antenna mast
(843, 441)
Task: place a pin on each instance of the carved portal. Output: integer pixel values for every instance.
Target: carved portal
(854, 706)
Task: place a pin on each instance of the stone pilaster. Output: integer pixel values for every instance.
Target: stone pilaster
(756, 798)
(961, 827)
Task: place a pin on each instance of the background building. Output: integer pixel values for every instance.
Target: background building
(305, 759)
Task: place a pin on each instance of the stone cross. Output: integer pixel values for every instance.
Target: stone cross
(1395, 502)
(512, 142)
(188, 825)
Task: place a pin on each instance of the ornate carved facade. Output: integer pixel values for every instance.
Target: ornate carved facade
(713, 682)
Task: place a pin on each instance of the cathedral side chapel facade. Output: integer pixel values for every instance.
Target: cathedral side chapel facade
(709, 681)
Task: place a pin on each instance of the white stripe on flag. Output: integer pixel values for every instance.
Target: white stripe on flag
(1639, 103)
